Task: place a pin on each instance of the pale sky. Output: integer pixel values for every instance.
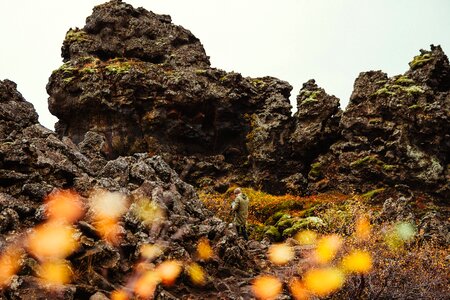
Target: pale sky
(331, 41)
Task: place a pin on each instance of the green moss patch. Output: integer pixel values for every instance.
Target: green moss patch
(420, 60)
(370, 194)
(367, 160)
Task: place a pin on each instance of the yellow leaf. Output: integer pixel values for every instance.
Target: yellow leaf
(327, 248)
(358, 261)
(197, 274)
(204, 250)
(151, 252)
(323, 282)
(306, 237)
(55, 273)
(148, 211)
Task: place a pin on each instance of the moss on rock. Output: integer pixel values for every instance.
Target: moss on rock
(420, 60)
(272, 233)
(370, 194)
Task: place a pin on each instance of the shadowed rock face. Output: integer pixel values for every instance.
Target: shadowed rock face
(394, 131)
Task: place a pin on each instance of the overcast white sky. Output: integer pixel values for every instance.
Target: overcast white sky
(331, 41)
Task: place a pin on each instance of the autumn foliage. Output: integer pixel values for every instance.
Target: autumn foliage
(360, 258)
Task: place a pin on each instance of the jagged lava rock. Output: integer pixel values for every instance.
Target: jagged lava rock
(146, 85)
(394, 131)
(34, 161)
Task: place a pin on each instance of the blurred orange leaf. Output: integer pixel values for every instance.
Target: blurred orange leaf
(64, 205)
(109, 229)
(323, 282)
(266, 287)
(52, 241)
(9, 265)
(169, 271)
(204, 250)
(298, 290)
(119, 295)
(146, 284)
(362, 230)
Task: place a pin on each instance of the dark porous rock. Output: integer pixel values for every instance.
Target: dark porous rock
(143, 115)
(146, 85)
(316, 121)
(394, 131)
(34, 162)
(15, 112)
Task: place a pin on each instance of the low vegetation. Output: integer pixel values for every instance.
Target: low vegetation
(347, 251)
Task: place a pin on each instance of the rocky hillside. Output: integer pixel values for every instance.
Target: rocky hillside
(395, 131)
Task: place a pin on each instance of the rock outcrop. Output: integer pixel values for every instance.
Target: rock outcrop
(146, 85)
(395, 131)
(34, 162)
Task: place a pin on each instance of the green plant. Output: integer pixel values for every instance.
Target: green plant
(404, 80)
(118, 67)
(383, 91)
(315, 171)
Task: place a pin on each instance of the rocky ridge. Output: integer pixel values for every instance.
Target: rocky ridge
(215, 128)
(395, 132)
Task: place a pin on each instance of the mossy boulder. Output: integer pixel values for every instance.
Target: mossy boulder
(272, 233)
(302, 224)
(273, 219)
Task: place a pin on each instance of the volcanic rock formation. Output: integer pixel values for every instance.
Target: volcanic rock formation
(34, 162)
(141, 111)
(395, 131)
(146, 85)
